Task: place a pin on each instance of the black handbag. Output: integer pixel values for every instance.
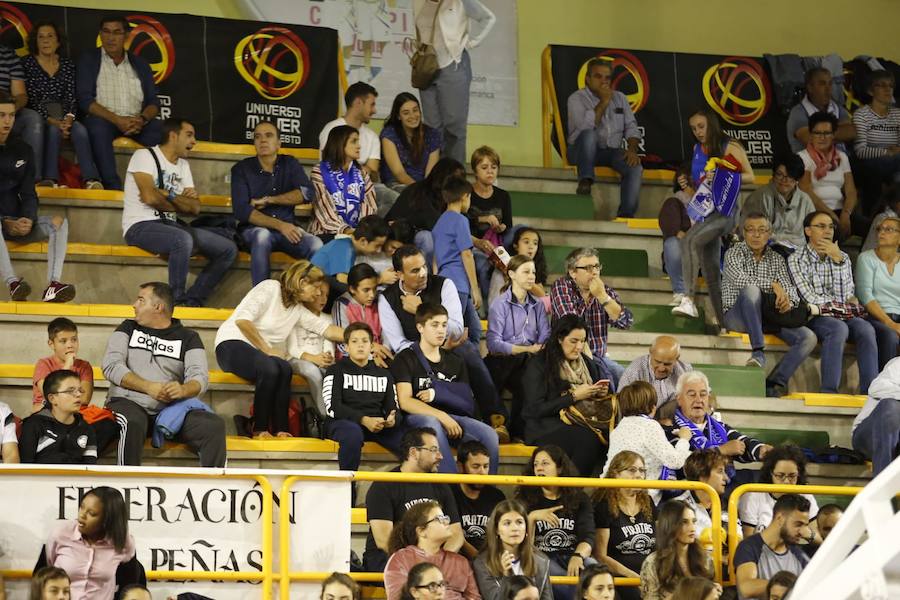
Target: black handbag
(773, 321)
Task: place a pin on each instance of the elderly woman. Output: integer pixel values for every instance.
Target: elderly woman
(693, 413)
(559, 376)
(251, 342)
(827, 178)
(878, 137)
(878, 287)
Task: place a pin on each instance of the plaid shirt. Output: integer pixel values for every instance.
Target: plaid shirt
(742, 269)
(819, 280)
(118, 87)
(566, 299)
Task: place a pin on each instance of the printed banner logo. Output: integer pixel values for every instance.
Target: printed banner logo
(628, 76)
(274, 60)
(150, 40)
(11, 18)
(738, 90)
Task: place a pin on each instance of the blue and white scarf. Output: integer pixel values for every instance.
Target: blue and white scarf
(346, 190)
(701, 441)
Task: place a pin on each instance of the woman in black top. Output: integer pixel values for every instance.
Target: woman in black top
(560, 517)
(625, 521)
(556, 378)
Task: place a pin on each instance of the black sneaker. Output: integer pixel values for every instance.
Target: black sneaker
(775, 390)
(58, 292)
(584, 187)
(19, 290)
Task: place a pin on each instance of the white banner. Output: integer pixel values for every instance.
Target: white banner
(185, 524)
(377, 38)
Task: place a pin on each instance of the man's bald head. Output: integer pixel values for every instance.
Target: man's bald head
(664, 354)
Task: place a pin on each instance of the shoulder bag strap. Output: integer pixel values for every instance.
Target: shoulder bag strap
(433, 21)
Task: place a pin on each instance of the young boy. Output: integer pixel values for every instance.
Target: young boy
(420, 400)
(360, 400)
(337, 256)
(62, 337)
(453, 252)
(58, 434)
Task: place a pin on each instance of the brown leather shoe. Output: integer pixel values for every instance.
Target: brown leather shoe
(498, 422)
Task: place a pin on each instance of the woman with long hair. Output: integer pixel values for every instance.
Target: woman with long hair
(678, 554)
(596, 583)
(508, 553)
(251, 342)
(557, 377)
(419, 537)
(701, 246)
(339, 586)
(561, 517)
(424, 582)
(344, 192)
(409, 147)
(625, 519)
(521, 588)
(91, 548)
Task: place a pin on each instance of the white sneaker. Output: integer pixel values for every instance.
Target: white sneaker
(686, 309)
(676, 299)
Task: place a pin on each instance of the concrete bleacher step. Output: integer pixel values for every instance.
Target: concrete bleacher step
(616, 261)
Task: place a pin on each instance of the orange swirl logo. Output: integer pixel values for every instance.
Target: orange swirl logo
(11, 18)
(628, 76)
(274, 60)
(149, 39)
(738, 90)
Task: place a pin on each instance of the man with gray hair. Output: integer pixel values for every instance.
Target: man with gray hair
(661, 368)
(157, 371)
(582, 292)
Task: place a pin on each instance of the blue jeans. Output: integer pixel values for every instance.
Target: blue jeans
(102, 133)
(445, 106)
(424, 241)
(473, 429)
(480, 381)
(878, 436)
(746, 316)
(833, 334)
(471, 318)
(263, 242)
(29, 125)
(350, 437)
(178, 244)
(672, 260)
(42, 229)
(82, 144)
(586, 153)
(886, 338)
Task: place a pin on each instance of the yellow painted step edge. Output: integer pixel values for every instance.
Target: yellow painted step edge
(834, 400)
(25, 371)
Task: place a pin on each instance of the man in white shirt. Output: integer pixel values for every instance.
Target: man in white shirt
(876, 429)
(159, 187)
(360, 101)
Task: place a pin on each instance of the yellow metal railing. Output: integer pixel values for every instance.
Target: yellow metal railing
(771, 488)
(266, 576)
(286, 576)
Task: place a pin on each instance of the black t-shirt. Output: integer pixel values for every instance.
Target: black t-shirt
(474, 514)
(629, 542)
(576, 526)
(389, 501)
(498, 204)
(406, 368)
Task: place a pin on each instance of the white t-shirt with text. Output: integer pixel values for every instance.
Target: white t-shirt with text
(176, 178)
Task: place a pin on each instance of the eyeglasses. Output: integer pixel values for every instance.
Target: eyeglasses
(756, 230)
(433, 587)
(594, 268)
(823, 134)
(823, 226)
(71, 392)
(442, 519)
(883, 229)
(635, 471)
(783, 176)
(785, 476)
(432, 449)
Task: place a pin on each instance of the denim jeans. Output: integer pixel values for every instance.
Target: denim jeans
(587, 154)
(42, 229)
(263, 242)
(672, 260)
(886, 338)
(102, 133)
(178, 244)
(833, 334)
(613, 368)
(701, 247)
(746, 316)
(473, 429)
(480, 381)
(878, 436)
(445, 106)
(29, 125)
(82, 144)
(471, 318)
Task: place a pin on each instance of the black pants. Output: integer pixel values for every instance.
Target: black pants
(507, 372)
(203, 431)
(272, 377)
(580, 443)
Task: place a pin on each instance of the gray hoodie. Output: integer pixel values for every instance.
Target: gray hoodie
(494, 588)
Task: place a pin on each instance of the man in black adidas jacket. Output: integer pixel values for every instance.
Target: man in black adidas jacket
(151, 362)
(360, 400)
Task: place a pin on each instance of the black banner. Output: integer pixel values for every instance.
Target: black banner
(224, 75)
(665, 88)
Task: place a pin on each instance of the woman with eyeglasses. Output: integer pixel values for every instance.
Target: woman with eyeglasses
(625, 520)
(878, 137)
(424, 582)
(878, 288)
(828, 179)
(419, 537)
(509, 554)
(784, 465)
(251, 343)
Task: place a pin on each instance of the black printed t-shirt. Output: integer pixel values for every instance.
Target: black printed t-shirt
(407, 368)
(474, 514)
(576, 526)
(629, 543)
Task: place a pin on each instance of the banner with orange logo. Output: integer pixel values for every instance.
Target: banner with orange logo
(665, 88)
(224, 75)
